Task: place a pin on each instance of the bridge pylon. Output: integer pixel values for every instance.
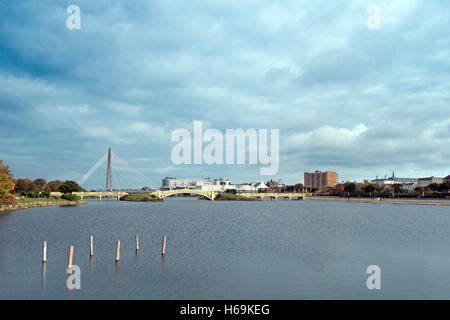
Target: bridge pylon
(109, 173)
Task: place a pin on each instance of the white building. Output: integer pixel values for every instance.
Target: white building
(409, 186)
(262, 185)
(408, 183)
(425, 182)
(216, 185)
(246, 187)
(183, 183)
(206, 184)
(393, 180)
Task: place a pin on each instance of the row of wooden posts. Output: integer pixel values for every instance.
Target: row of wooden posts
(91, 249)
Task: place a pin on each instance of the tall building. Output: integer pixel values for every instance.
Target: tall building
(320, 179)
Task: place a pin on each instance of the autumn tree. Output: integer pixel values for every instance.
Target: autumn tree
(369, 188)
(398, 188)
(6, 185)
(53, 186)
(40, 182)
(349, 187)
(24, 185)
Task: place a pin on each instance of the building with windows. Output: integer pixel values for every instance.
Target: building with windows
(320, 179)
(425, 182)
(410, 186)
(205, 184)
(408, 183)
(182, 183)
(395, 180)
(220, 184)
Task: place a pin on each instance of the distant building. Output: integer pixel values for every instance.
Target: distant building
(412, 182)
(409, 183)
(276, 186)
(220, 184)
(183, 183)
(246, 187)
(410, 186)
(446, 179)
(205, 184)
(223, 184)
(320, 179)
(425, 182)
(262, 185)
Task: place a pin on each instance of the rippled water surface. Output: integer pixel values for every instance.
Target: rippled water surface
(228, 250)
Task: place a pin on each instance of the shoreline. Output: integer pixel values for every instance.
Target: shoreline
(40, 204)
(436, 202)
(62, 203)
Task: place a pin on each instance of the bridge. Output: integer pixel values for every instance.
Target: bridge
(92, 194)
(126, 179)
(122, 176)
(211, 195)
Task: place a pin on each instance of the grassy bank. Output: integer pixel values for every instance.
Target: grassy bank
(40, 200)
(140, 197)
(27, 203)
(232, 197)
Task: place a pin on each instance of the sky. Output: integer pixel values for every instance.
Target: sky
(362, 102)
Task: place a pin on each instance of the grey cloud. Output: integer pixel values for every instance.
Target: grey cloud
(148, 68)
(336, 67)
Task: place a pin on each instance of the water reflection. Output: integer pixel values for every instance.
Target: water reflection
(68, 286)
(90, 269)
(44, 281)
(117, 279)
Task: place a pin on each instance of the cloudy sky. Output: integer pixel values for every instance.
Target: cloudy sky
(345, 98)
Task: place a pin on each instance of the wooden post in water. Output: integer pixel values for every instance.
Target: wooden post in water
(118, 251)
(137, 243)
(163, 250)
(91, 247)
(44, 256)
(69, 264)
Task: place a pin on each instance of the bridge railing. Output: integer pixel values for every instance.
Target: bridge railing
(89, 194)
(164, 193)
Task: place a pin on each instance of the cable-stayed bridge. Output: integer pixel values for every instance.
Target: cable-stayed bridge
(120, 175)
(122, 179)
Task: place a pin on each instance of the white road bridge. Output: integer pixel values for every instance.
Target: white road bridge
(211, 195)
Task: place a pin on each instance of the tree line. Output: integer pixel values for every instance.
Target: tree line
(366, 189)
(40, 188)
(11, 188)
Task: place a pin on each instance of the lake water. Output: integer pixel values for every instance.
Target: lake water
(228, 250)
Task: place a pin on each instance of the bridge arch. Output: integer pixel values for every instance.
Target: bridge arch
(192, 193)
(206, 194)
